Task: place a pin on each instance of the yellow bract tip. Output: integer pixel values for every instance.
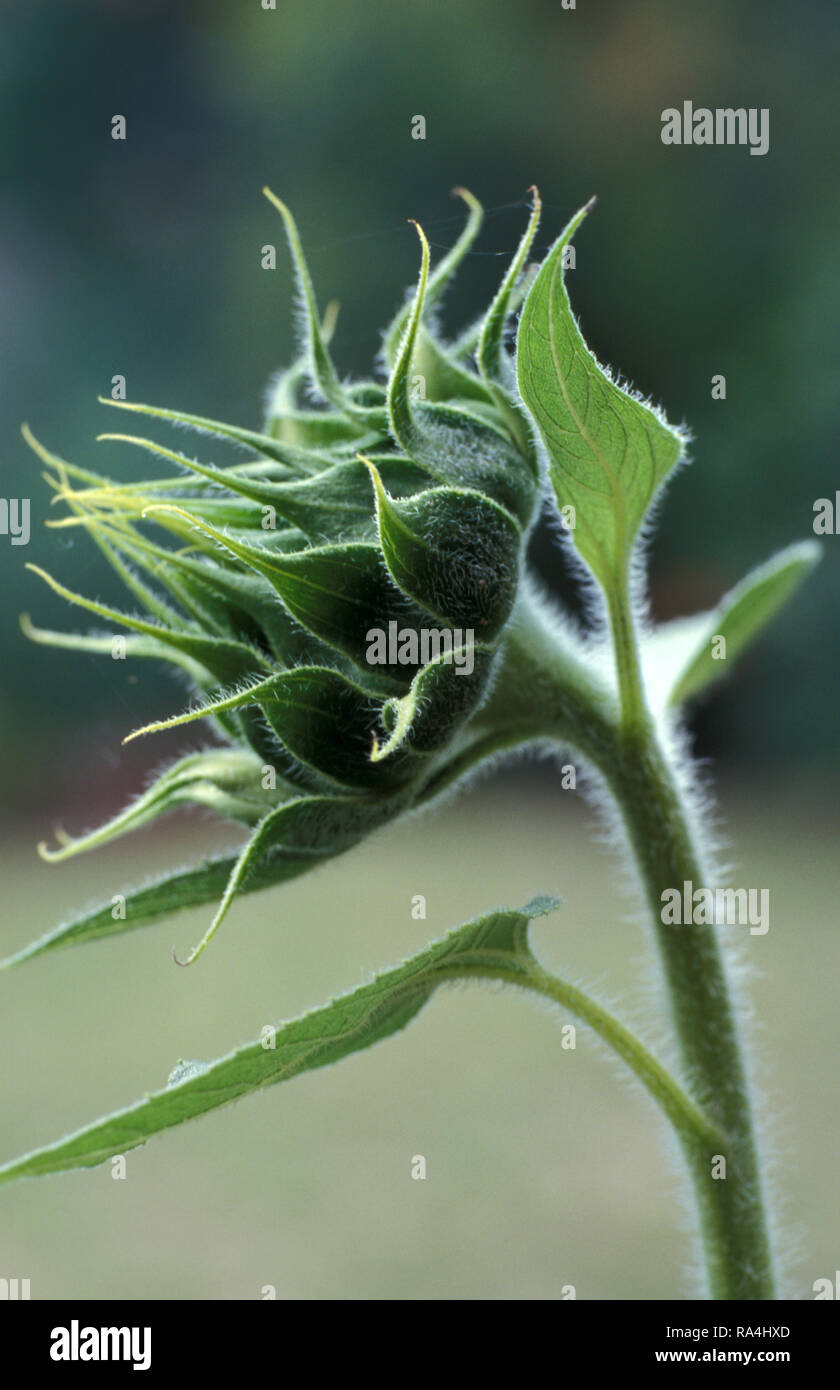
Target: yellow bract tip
(50, 856)
(467, 197)
(372, 469)
(278, 203)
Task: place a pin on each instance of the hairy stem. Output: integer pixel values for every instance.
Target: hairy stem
(634, 712)
(544, 686)
(732, 1210)
(697, 1133)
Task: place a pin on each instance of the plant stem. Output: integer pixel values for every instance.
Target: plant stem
(697, 1133)
(543, 685)
(732, 1211)
(657, 825)
(634, 711)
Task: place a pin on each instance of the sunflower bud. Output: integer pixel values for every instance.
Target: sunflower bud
(338, 599)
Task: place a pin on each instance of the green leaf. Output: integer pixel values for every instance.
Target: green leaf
(346, 1025)
(739, 618)
(608, 451)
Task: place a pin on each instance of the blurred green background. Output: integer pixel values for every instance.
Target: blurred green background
(142, 258)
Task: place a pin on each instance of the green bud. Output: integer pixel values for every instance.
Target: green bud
(379, 523)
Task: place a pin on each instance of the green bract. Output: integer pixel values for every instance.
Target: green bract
(337, 599)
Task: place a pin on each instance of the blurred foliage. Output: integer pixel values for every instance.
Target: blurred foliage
(142, 257)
